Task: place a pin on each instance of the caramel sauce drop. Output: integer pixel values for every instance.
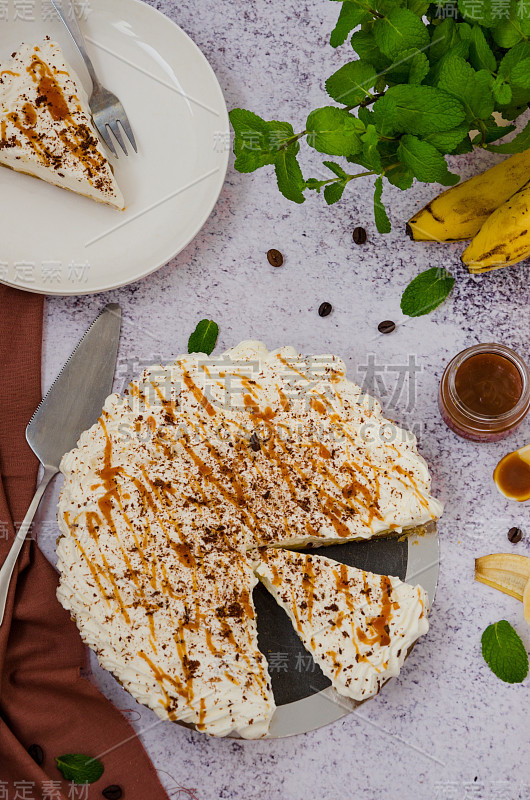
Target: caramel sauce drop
(512, 476)
(48, 88)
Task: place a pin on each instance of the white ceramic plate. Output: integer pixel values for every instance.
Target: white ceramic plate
(55, 242)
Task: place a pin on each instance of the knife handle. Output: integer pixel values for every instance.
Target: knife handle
(9, 564)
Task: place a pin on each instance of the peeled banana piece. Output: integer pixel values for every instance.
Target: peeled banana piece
(504, 581)
(461, 211)
(508, 573)
(504, 239)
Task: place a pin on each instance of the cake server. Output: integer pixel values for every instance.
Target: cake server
(72, 404)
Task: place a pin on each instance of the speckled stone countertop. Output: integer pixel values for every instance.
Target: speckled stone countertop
(447, 727)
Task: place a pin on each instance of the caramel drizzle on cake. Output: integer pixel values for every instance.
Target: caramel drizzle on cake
(177, 504)
(358, 626)
(75, 137)
(46, 128)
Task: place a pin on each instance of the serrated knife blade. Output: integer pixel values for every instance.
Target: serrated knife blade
(72, 404)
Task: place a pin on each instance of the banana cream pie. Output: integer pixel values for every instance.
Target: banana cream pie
(46, 129)
(357, 626)
(168, 496)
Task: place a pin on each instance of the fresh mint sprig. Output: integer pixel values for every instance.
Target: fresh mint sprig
(79, 768)
(426, 292)
(204, 337)
(504, 652)
(425, 76)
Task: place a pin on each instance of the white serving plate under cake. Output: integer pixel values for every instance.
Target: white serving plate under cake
(58, 243)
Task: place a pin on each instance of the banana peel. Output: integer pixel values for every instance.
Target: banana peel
(508, 573)
(526, 602)
(460, 212)
(504, 239)
(518, 565)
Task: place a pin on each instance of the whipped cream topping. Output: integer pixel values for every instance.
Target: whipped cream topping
(168, 495)
(357, 626)
(46, 129)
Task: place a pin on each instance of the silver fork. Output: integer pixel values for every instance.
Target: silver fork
(107, 111)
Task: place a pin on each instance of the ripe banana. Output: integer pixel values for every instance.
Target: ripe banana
(504, 239)
(460, 212)
(509, 574)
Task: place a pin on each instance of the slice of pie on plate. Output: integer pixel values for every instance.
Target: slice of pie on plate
(46, 129)
(357, 626)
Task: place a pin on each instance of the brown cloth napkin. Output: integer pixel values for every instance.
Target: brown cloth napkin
(44, 700)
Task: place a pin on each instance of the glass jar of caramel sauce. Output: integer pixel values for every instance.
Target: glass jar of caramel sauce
(485, 392)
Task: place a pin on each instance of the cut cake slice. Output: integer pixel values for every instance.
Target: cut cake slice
(46, 129)
(357, 626)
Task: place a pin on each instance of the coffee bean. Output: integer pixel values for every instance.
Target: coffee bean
(113, 792)
(515, 535)
(37, 754)
(275, 258)
(325, 309)
(255, 443)
(386, 326)
(359, 235)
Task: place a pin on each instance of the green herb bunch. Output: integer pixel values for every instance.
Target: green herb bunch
(426, 82)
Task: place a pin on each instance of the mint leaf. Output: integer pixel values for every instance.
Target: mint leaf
(509, 32)
(519, 103)
(400, 30)
(257, 141)
(79, 768)
(365, 115)
(481, 12)
(336, 169)
(492, 132)
(425, 161)
(411, 67)
(333, 192)
(419, 7)
(385, 116)
(506, 34)
(444, 36)
(465, 146)
(334, 131)
(371, 155)
(351, 83)
(204, 337)
(501, 91)
(426, 291)
(400, 176)
(513, 58)
(315, 184)
(364, 45)
(447, 141)
(350, 16)
(480, 53)
(516, 145)
(464, 31)
(419, 109)
(520, 74)
(504, 652)
(381, 217)
(472, 89)
(419, 68)
(289, 176)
